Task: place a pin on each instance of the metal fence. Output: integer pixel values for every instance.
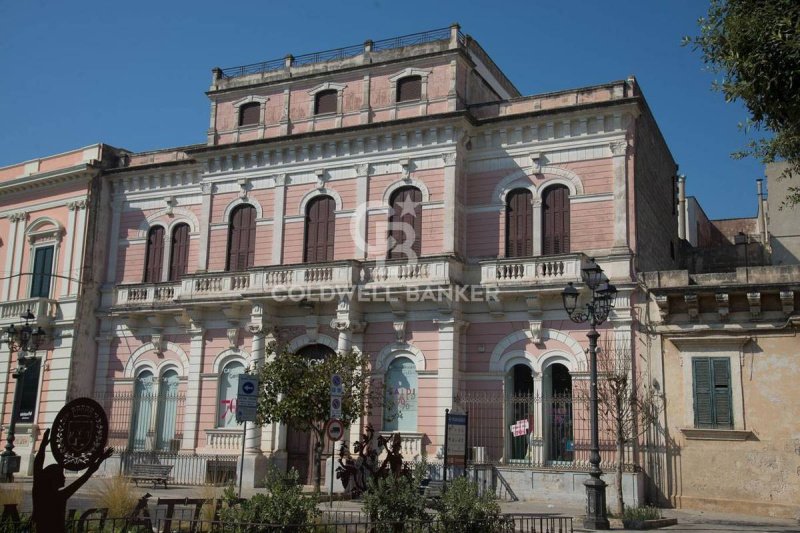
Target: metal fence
(532, 430)
(187, 468)
(144, 421)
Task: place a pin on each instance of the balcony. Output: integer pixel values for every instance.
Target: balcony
(44, 309)
(427, 271)
(223, 440)
(309, 279)
(520, 272)
(147, 294)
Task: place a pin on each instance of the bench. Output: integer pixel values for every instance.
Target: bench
(431, 490)
(155, 473)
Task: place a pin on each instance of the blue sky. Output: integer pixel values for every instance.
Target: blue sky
(133, 74)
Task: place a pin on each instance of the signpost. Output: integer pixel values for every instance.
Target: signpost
(455, 440)
(335, 428)
(246, 407)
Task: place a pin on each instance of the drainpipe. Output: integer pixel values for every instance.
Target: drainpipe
(682, 207)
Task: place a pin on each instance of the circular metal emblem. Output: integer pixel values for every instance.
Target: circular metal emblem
(79, 434)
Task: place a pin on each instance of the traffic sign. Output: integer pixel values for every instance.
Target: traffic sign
(247, 399)
(336, 406)
(335, 429)
(337, 386)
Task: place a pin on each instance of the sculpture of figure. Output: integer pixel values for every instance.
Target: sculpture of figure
(49, 494)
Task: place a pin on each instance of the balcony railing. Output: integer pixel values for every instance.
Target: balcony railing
(147, 294)
(427, 271)
(410, 444)
(311, 277)
(223, 440)
(214, 285)
(532, 270)
(44, 309)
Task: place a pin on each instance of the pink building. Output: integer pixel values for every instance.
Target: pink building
(400, 198)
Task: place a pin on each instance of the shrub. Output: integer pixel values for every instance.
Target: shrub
(283, 504)
(463, 510)
(394, 500)
(645, 512)
(118, 495)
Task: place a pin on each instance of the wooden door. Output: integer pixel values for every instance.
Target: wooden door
(519, 224)
(320, 230)
(555, 220)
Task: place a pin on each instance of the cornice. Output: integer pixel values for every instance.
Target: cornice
(46, 179)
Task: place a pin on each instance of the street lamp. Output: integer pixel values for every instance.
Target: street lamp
(25, 341)
(595, 312)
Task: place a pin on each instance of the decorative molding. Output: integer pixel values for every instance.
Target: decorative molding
(787, 302)
(327, 85)
(362, 169)
(44, 229)
(449, 159)
(76, 205)
(400, 349)
(722, 305)
(691, 305)
(754, 300)
(18, 216)
(662, 301)
(703, 342)
(618, 148)
(233, 338)
(716, 434)
(399, 327)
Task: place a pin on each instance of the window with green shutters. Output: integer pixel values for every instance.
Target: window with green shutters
(42, 272)
(712, 392)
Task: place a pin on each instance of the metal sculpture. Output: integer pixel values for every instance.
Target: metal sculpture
(357, 468)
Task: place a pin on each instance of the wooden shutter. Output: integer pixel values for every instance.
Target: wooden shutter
(519, 224)
(249, 114)
(401, 215)
(409, 88)
(555, 220)
(712, 392)
(42, 270)
(242, 238)
(179, 253)
(325, 102)
(320, 230)
(154, 259)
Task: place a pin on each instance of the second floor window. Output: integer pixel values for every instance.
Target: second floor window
(325, 102)
(42, 271)
(409, 88)
(405, 223)
(519, 223)
(249, 114)
(241, 238)
(320, 230)
(154, 255)
(179, 252)
(555, 220)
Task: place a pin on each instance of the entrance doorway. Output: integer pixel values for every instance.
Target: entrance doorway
(557, 405)
(522, 409)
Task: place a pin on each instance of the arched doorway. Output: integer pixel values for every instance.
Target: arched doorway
(522, 410)
(557, 403)
(299, 443)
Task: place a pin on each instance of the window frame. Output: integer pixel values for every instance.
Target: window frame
(247, 106)
(330, 246)
(416, 245)
(218, 424)
(318, 98)
(50, 285)
(250, 261)
(148, 251)
(716, 419)
(543, 224)
(401, 83)
(172, 255)
(513, 193)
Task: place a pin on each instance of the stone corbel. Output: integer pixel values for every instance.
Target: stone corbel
(321, 178)
(663, 306)
(362, 169)
(244, 184)
(722, 305)
(618, 148)
(787, 302)
(405, 170)
(537, 162)
(754, 299)
(399, 330)
(535, 327)
(449, 159)
(534, 305)
(233, 338)
(159, 343)
(691, 306)
(170, 201)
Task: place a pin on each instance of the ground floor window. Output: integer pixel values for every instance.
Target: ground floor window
(228, 390)
(29, 393)
(400, 400)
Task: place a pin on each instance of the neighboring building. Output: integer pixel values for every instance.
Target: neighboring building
(279, 229)
(46, 218)
(783, 221)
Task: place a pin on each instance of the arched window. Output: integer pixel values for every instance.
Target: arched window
(154, 255)
(143, 392)
(179, 252)
(228, 390)
(241, 238)
(405, 223)
(249, 114)
(320, 230)
(167, 416)
(400, 402)
(519, 223)
(409, 88)
(316, 351)
(326, 102)
(555, 220)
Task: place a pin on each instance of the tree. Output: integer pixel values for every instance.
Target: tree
(629, 405)
(295, 390)
(755, 46)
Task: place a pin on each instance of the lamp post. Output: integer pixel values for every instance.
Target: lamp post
(25, 341)
(595, 312)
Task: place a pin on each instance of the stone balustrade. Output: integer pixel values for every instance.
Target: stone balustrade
(226, 440)
(146, 294)
(44, 309)
(425, 271)
(411, 444)
(557, 269)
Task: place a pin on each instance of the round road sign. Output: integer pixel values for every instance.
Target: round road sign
(335, 429)
(248, 387)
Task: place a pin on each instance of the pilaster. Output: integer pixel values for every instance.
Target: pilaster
(196, 356)
(448, 239)
(80, 244)
(277, 220)
(66, 267)
(205, 226)
(447, 373)
(619, 152)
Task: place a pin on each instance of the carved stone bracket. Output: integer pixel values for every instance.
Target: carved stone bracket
(787, 302)
(691, 306)
(722, 305)
(537, 162)
(362, 169)
(159, 343)
(534, 304)
(244, 185)
(281, 180)
(233, 338)
(399, 330)
(449, 159)
(19, 216)
(322, 177)
(618, 147)
(536, 330)
(754, 299)
(662, 301)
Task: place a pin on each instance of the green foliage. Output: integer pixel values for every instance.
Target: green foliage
(645, 512)
(282, 504)
(394, 500)
(463, 510)
(755, 46)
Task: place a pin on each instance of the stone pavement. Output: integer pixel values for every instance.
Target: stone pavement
(688, 520)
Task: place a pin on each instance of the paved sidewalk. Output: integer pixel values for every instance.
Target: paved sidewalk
(688, 520)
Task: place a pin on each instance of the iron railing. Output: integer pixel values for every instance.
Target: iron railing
(549, 432)
(187, 468)
(345, 52)
(144, 421)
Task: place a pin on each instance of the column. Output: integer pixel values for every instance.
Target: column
(66, 268)
(682, 207)
(448, 240)
(619, 150)
(536, 232)
(192, 414)
(205, 226)
(362, 213)
(277, 219)
(447, 382)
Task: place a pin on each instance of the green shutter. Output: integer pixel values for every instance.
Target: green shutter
(42, 270)
(721, 368)
(703, 395)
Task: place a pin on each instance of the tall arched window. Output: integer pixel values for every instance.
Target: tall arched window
(143, 391)
(320, 230)
(326, 102)
(409, 88)
(405, 223)
(519, 223)
(241, 238)
(400, 402)
(228, 390)
(167, 416)
(154, 255)
(555, 220)
(249, 114)
(179, 252)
